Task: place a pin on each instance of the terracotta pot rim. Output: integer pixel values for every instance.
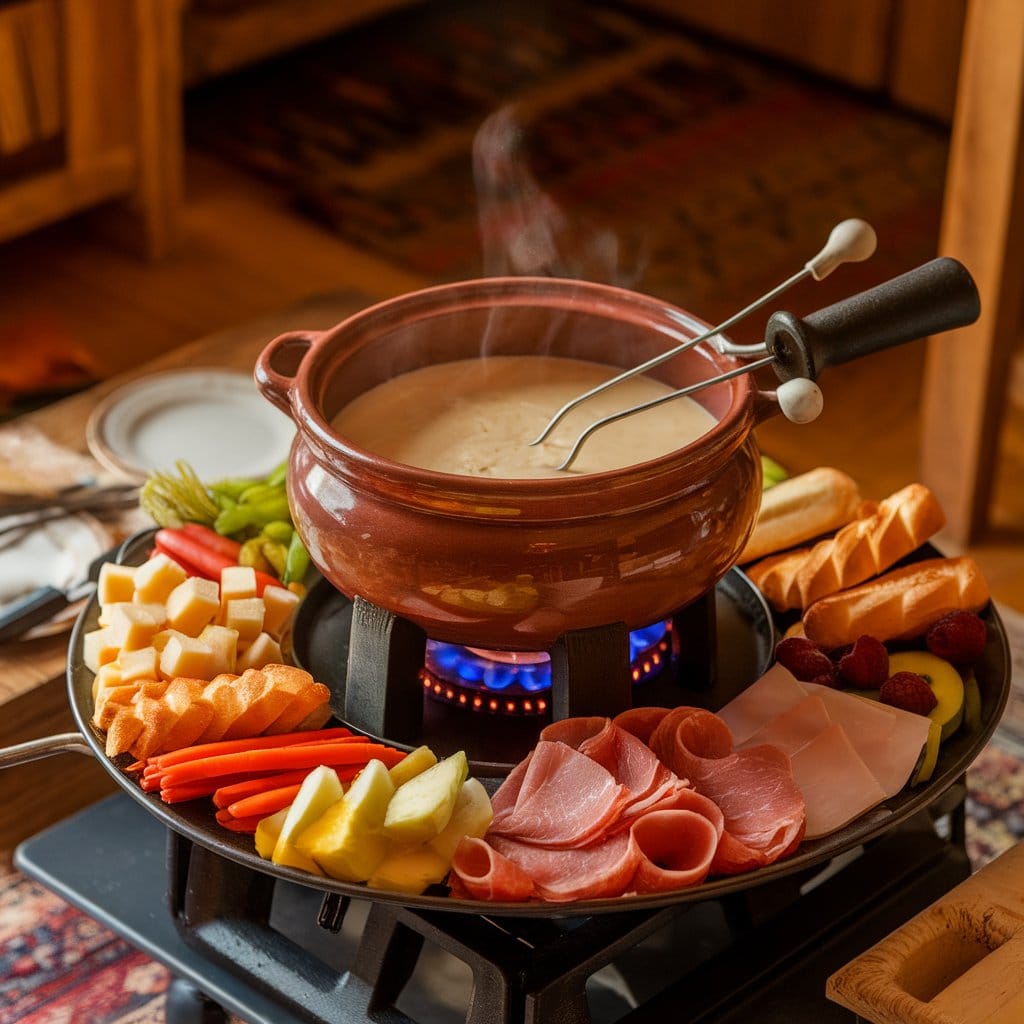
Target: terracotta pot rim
(672, 473)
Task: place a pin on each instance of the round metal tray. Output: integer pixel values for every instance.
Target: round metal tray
(195, 820)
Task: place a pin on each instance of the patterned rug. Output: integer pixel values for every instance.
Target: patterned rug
(584, 139)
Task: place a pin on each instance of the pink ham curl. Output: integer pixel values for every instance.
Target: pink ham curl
(764, 809)
(676, 850)
(482, 873)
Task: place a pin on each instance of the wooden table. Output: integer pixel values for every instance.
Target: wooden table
(33, 696)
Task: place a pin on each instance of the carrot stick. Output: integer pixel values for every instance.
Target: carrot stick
(224, 796)
(336, 734)
(279, 758)
(203, 787)
(182, 794)
(237, 824)
(262, 805)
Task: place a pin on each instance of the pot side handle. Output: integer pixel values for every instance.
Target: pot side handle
(278, 364)
(34, 750)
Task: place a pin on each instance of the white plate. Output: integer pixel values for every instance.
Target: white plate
(55, 554)
(215, 420)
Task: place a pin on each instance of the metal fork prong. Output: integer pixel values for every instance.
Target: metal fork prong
(660, 400)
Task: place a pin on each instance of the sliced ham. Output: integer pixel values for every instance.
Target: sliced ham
(484, 874)
(675, 849)
(836, 783)
(776, 691)
(603, 869)
(887, 739)
(793, 728)
(565, 799)
(687, 736)
(641, 722)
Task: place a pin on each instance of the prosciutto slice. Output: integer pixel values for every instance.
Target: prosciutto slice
(484, 874)
(676, 849)
(564, 799)
(605, 868)
(641, 722)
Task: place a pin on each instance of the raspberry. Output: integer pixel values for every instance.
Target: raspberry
(909, 691)
(866, 666)
(958, 637)
(804, 658)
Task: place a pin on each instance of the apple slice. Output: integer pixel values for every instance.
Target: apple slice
(471, 816)
(410, 870)
(320, 788)
(945, 682)
(268, 846)
(347, 840)
(416, 761)
(421, 807)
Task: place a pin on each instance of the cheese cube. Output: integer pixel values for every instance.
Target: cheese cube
(187, 656)
(134, 626)
(192, 604)
(224, 643)
(237, 582)
(154, 609)
(108, 676)
(246, 616)
(160, 639)
(99, 647)
(264, 650)
(143, 663)
(155, 579)
(279, 606)
(116, 583)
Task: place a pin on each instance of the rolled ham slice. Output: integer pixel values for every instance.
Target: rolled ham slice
(641, 722)
(484, 874)
(603, 869)
(675, 849)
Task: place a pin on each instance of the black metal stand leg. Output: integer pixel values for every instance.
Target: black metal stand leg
(696, 633)
(590, 672)
(382, 692)
(185, 1004)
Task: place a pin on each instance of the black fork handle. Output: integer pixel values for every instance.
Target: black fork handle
(935, 297)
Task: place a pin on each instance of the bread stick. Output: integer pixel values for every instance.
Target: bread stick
(863, 548)
(899, 605)
(801, 508)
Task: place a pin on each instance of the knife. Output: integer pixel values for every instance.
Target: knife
(43, 603)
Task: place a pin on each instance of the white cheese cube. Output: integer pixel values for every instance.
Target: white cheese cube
(99, 648)
(224, 643)
(155, 579)
(143, 663)
(264, 650)
(246, 616)
(237, 582)
(279, 606)
(187, 656)
(192, 604)
(134, 626)
(116, 583)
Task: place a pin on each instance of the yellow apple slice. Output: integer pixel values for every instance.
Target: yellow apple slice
(421, 807)
(319, 789)
(268, 832)
(471, 816)
(347, 840)
(416, 761)
(410, 870)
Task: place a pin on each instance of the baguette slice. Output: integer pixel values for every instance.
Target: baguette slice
(863, 548)
(899, 605)
(801, 508)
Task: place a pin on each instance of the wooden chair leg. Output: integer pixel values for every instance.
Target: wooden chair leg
(966, 371)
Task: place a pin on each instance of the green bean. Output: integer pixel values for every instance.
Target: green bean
(297, 562)
(257, 493)
(280, 530)
(234, 487)
(278, 475)
(241, 517)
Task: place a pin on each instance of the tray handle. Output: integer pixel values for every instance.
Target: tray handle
(47, 746)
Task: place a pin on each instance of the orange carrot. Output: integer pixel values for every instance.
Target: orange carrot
(226, 795)
(262, 805)
(237, 824)
(337, 735)
(280, 759)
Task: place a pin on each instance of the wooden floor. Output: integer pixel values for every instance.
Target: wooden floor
(245, 255)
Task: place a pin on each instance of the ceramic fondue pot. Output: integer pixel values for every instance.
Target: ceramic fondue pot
(513, 564)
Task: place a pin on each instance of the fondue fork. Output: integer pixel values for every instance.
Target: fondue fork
(937, 296)
(850, 241)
